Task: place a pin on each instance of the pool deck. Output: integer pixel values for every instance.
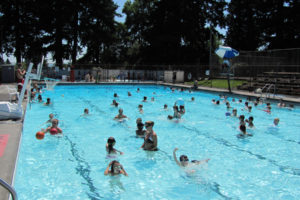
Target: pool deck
(12, 129)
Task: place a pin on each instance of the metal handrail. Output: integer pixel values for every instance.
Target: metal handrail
(268, 87)
(9, 188)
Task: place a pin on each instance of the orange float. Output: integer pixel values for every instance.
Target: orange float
(40, 135)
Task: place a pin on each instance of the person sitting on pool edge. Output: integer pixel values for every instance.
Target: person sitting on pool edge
(120, 115)
(54, 129)
(110, 146)
(244, 132)
(115, 168)
(184, 160)
(150, 140)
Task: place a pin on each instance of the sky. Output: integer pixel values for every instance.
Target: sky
(120, 4)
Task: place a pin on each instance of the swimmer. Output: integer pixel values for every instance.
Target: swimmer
(244, 132)
(140, 132)
(140, 107)
(250, 122)
(129, 94)
(181, 110)
(276, 121)
(240, 100)
(228, 105)
(184, 160)
(48, 102)
(138, 90)
(249, 108)
(50, 118)
(114, 103)
(246, 105)
(40, 99)
(115, 168)
(234, 112)
(165, 106)
(54, 129)
(116, 95)
(145, 99)
(242, 118)
(150, 140)
(291, 107)
(85, 111)
(281, 104)
(193, 99)
(152, 98)
(213, 101)
(233, 100)
(176, 112)
(120, 115)
(110, 146)
(32, 94)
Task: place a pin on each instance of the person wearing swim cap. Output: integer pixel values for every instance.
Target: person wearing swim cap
(184, 160)
(110, 146)
(54, 129)
(115, 168)
(150, 140)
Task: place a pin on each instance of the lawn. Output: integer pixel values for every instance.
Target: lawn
(219, 83)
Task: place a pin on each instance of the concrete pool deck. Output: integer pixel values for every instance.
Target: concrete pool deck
(11, 130)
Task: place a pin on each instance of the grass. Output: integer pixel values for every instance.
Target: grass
(219, 83)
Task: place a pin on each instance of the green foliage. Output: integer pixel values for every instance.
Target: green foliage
(271, 24)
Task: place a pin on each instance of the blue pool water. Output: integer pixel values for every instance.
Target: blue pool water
(265, 166)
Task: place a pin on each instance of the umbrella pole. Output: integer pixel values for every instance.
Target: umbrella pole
(228, 80)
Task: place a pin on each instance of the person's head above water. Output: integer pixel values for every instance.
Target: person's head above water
(276, 121)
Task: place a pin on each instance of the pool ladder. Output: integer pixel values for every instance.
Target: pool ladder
(268, 88)
(9, 188)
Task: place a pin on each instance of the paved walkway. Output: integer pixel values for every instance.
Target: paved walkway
(10, 134)
(11, 131)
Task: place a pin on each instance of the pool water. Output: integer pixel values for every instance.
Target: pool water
(265, 166)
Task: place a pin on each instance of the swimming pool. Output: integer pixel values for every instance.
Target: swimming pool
(265, 166)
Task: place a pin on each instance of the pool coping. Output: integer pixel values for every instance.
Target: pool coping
(15, 128)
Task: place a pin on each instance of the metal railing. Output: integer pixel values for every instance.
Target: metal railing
(267, 87)
(9, 188)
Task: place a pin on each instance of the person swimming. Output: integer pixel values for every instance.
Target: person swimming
(150, 140)
(50, 118)
(115, 168)
(140, 132)
(140, 107)
(242, 118)
(184, 160)
(48, 102)
(234, 112)
(110, 146)
(114, 103)
(120, 115)
(165, 106)
(54, 129)
(250, 122)
(145, 99)
(276, 121)
(243, 132)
